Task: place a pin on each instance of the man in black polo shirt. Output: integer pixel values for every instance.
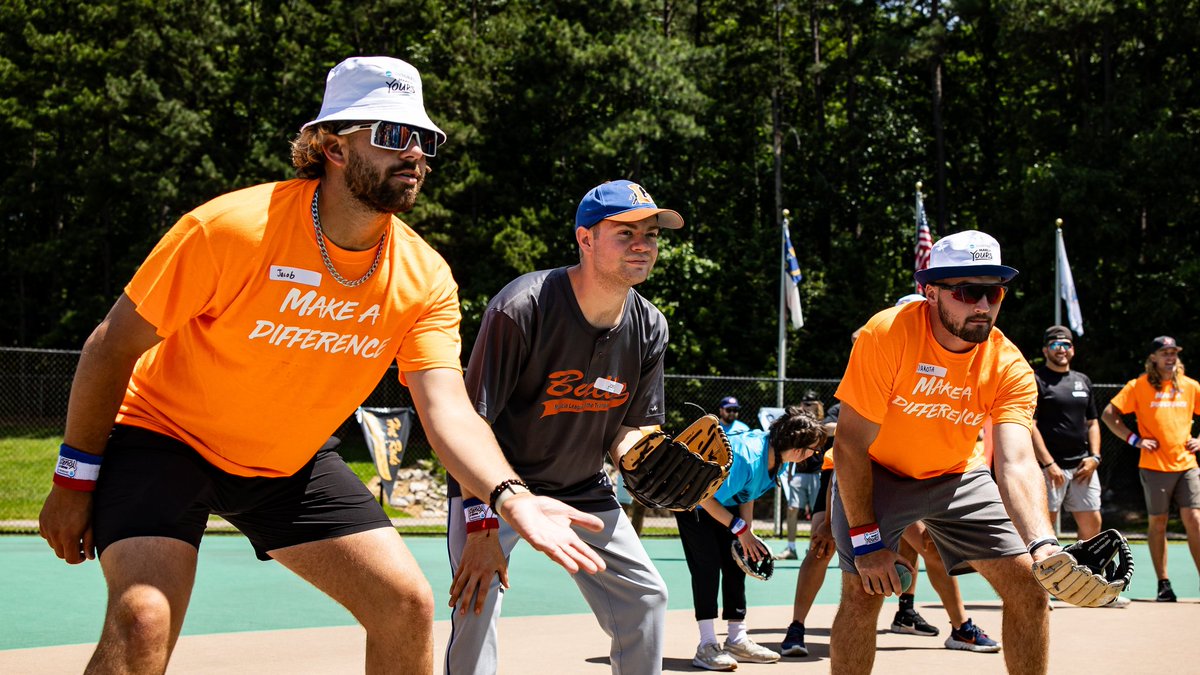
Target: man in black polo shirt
(1066, 436)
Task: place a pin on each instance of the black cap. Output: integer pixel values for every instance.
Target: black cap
(809, 395)
(1164, 342)
(1057, 333)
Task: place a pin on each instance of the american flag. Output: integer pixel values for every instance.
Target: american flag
(924, 239)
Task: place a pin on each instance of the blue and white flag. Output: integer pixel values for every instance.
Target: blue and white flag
(793, 287)
(1067, 288)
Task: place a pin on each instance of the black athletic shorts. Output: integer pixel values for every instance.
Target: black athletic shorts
(155, 486)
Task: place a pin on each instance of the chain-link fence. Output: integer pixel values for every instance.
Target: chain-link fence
(35, 384)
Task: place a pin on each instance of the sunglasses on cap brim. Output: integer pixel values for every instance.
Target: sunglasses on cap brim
(973, 293)
(397, 136)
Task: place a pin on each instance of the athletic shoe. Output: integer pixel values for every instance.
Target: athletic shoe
(1120, 602)
(750, 651)
(710, 657)
(793, 642)
(788, 553)
(909, 622)
(970, 638)
(1165, 594)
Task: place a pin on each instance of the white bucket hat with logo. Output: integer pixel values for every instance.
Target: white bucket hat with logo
(372, 88)
(965, 254)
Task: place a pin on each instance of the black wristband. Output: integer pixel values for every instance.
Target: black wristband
(501, 488)
(1046, 465)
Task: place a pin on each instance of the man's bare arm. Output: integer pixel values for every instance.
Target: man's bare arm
(1022, 487)
(466, 446)
(101, 378)
(855, 484)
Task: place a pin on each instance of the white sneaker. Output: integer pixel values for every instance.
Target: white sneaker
(710, 656)
(750, 651)
(1119, 602)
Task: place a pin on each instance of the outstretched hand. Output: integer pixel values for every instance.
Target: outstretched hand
(546, 524)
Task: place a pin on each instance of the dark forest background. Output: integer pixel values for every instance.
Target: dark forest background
(120, 116)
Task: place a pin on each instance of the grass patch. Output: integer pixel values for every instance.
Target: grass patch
(27, 465)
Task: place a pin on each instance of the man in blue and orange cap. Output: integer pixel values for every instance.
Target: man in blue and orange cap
(568, 367)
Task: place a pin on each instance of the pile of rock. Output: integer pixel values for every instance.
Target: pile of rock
(418, 491)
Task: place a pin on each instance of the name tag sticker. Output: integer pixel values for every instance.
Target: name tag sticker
(1079, 394)
(295, 275)
(605, 384)
(928, 369)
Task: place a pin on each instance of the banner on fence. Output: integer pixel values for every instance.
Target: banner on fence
(768, 415)
(386, 431)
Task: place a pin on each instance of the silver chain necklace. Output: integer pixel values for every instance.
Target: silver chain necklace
(325, 252)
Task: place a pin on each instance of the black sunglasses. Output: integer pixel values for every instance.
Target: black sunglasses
(973, 293)
(732, 410)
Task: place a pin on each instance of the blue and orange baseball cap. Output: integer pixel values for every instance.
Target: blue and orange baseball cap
(728, 402)
(623, 201)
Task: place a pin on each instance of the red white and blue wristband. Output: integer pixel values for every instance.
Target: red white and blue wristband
(76, 470)
(866, 539)
(1133, 439)
(738, 527)
(479, 516)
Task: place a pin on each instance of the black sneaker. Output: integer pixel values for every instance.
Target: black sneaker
(793, 642)
(909, 622)
(1165, 594)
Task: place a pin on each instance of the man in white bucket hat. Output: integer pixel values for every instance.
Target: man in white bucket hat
(922, 378)
(250, 333)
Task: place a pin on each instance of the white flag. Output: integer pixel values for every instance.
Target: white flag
(1067, 285)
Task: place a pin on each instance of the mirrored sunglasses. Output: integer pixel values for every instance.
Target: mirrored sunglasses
(973, 293)
(397, 136)
(1060, 344)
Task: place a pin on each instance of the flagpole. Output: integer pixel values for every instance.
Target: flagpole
(781, 370)
(917, 234)
(1058, 245)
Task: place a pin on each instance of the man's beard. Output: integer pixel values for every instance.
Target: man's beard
(376, 191)
(969, 332)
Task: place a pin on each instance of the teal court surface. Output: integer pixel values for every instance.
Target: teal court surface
(45, 602)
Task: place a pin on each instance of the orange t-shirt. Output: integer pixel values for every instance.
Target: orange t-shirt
(930, 403)
(264, 354)
(1165, 416)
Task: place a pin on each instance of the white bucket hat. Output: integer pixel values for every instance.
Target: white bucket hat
(372, 88)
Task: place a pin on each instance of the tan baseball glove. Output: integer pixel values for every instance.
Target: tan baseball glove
(1089, 573)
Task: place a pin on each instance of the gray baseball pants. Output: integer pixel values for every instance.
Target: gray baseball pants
(629, 600)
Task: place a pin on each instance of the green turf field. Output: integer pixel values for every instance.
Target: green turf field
(45, 602)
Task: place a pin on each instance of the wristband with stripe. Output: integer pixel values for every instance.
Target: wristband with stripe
(1038, 543)
(738, 526)
(866, 539)
(76, 470)
(1133, 439)
(479, 516)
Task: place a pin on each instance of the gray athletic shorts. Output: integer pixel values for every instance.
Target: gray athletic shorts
(963, 513)
(1073, 496)
(1163, 487)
